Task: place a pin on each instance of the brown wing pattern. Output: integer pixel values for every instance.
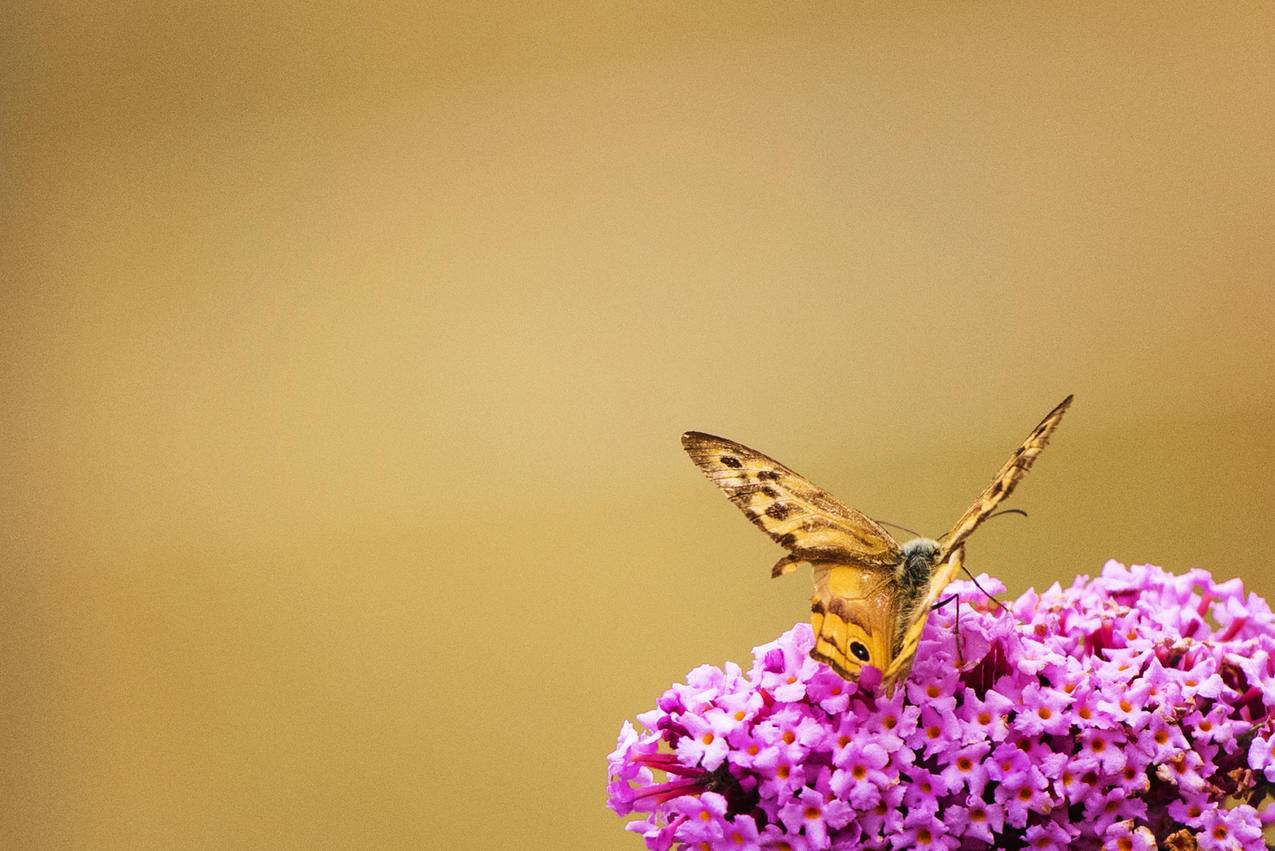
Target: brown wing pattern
(852, 613)
(919, 612)
(1009, 476)
(805, 519)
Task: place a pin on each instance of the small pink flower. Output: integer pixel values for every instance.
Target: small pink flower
(923, 830)
(1126, 836)
(1261, 756)
(965, 768)
(978, 820)
(813, 816)
(1043, 711)
(986, 717)
(859, 777)
(1049, 835)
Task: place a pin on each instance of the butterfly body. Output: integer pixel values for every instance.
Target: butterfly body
(872, 595)
(920, 555)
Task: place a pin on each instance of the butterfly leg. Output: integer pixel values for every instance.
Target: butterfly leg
(960, 656)
(998, 603)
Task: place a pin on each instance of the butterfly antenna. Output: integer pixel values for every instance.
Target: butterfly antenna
(1007, 511)
(900, 528)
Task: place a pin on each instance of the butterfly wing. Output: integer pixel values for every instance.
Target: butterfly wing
(1001, 487)
(801, 517)
(917, 613)
(852, 614)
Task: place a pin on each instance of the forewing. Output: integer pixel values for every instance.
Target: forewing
(1009, 476)
(918, 614)
(852, 614)
(803, 518)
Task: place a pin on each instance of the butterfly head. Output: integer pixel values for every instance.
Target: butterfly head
(919, 556)
(920, 548)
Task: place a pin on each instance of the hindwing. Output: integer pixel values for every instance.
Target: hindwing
(852, 614)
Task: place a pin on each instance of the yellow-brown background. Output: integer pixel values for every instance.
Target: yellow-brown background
(346, 351)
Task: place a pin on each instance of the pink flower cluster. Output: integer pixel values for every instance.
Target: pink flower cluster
(1124, 711)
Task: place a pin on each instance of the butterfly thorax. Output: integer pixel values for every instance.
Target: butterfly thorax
(912, 578)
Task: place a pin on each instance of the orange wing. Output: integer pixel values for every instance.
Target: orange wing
(853, 614)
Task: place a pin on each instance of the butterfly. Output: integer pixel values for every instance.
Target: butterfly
(872, 595)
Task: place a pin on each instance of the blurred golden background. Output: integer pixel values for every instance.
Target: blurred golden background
(347, 348)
